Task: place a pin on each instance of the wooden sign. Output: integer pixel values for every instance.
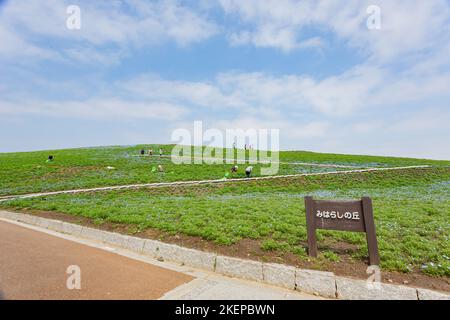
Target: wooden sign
(356, 216)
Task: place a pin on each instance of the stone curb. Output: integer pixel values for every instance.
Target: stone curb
(351, 289)
(316, 282)
(240, 268)
(320, 283)
(279, 275)
(425, 294)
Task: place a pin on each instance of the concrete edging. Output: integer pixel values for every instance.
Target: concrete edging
(325, 284)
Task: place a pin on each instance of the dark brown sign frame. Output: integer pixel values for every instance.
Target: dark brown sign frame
(355, 216)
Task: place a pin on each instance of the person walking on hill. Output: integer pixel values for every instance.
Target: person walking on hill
(248, 171)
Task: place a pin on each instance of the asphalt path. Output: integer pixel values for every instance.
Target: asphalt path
(35, 265)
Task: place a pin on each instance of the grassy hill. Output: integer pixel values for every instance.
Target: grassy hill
(27, 172)
(262, 220)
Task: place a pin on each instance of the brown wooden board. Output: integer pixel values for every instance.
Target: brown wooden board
(355, 216)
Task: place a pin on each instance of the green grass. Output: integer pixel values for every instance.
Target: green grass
(28, 172)
(412, 213)
(358, 160)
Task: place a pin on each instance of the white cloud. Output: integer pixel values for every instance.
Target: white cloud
(91, 56)
(124, 24)
(96, 108)
(418, 134)
(269, 37)
(354, 112)
(364, 110)
(358, 110)
(361, 88)
(12, 45)
(408, 26)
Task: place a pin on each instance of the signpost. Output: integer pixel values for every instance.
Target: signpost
(356, 216)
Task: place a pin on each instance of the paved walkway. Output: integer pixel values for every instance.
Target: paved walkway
(33, 265)
(34, 262)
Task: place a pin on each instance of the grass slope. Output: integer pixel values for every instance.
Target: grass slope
(28, 172)
(412, 213)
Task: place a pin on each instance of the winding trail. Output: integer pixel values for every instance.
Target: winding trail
(250, 161)
(197, 182)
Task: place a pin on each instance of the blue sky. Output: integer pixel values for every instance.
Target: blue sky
(137, 70)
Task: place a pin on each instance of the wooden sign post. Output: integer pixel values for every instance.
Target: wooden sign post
(356, 216)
